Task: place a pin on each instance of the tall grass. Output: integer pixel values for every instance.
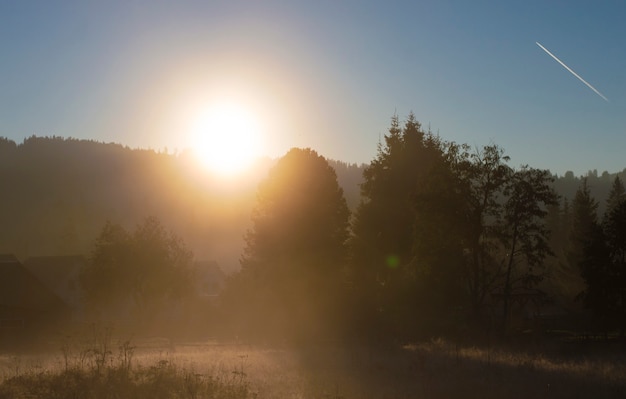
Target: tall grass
(434, 369)
(91, 368)
(161, 380)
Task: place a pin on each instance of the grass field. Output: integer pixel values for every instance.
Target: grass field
(434, 369)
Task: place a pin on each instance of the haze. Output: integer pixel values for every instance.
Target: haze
(312, 200)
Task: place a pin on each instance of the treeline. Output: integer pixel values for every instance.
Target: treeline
(445, 240)
(599, 185)
(58, 193)
(430, 237)
(439, 233)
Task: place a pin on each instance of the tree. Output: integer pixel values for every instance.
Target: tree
(143, 268)
(103, 279)
(492, 222)
(595, 265)
(599, 250)
(486, 175)
(584, 219)
(381, 246)
(470, 203)
(603, 266)
(442, 217)
(293, 262)
(616, 196)
(614, 227)
(523, 233)
(565, 226)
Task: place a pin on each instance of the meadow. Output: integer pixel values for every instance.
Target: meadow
(157, 368)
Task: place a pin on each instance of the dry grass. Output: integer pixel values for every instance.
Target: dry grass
(436, 369)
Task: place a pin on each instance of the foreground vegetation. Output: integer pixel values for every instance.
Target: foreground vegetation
(433, 369)
(96, 372)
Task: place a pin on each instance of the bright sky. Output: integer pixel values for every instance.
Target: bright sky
(323, 74)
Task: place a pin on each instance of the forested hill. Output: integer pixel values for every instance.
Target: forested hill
(599, 185)
(58, 193)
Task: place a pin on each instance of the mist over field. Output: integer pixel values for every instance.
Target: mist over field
(123, 266)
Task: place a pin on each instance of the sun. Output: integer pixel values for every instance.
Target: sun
(226, 138)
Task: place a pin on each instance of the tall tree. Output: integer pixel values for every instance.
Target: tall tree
(584, 219)
(615, 232)
(492, 217)
(603, 267)
(383, 226)
(486, 174)
(616, 195)
(595, 269)
(565, 225)
(442, 229)
(471, 203)
(555, 221)
(524, 234)
(293, 263)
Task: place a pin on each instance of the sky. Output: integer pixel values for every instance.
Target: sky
(328, 75)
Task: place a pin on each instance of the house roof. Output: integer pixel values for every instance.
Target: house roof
(55, 271)
(61, 274)
(20, 289)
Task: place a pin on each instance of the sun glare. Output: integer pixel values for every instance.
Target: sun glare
(226, 139)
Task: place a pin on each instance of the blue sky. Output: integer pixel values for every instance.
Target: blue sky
(326, 75)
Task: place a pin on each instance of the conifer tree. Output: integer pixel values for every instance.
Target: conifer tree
(293, 266)
(383, 227)
(584, 219)
(616, 195)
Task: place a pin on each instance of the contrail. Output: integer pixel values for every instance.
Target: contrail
(573, 73)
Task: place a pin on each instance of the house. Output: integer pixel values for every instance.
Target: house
(27, 306)
(61, 274)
